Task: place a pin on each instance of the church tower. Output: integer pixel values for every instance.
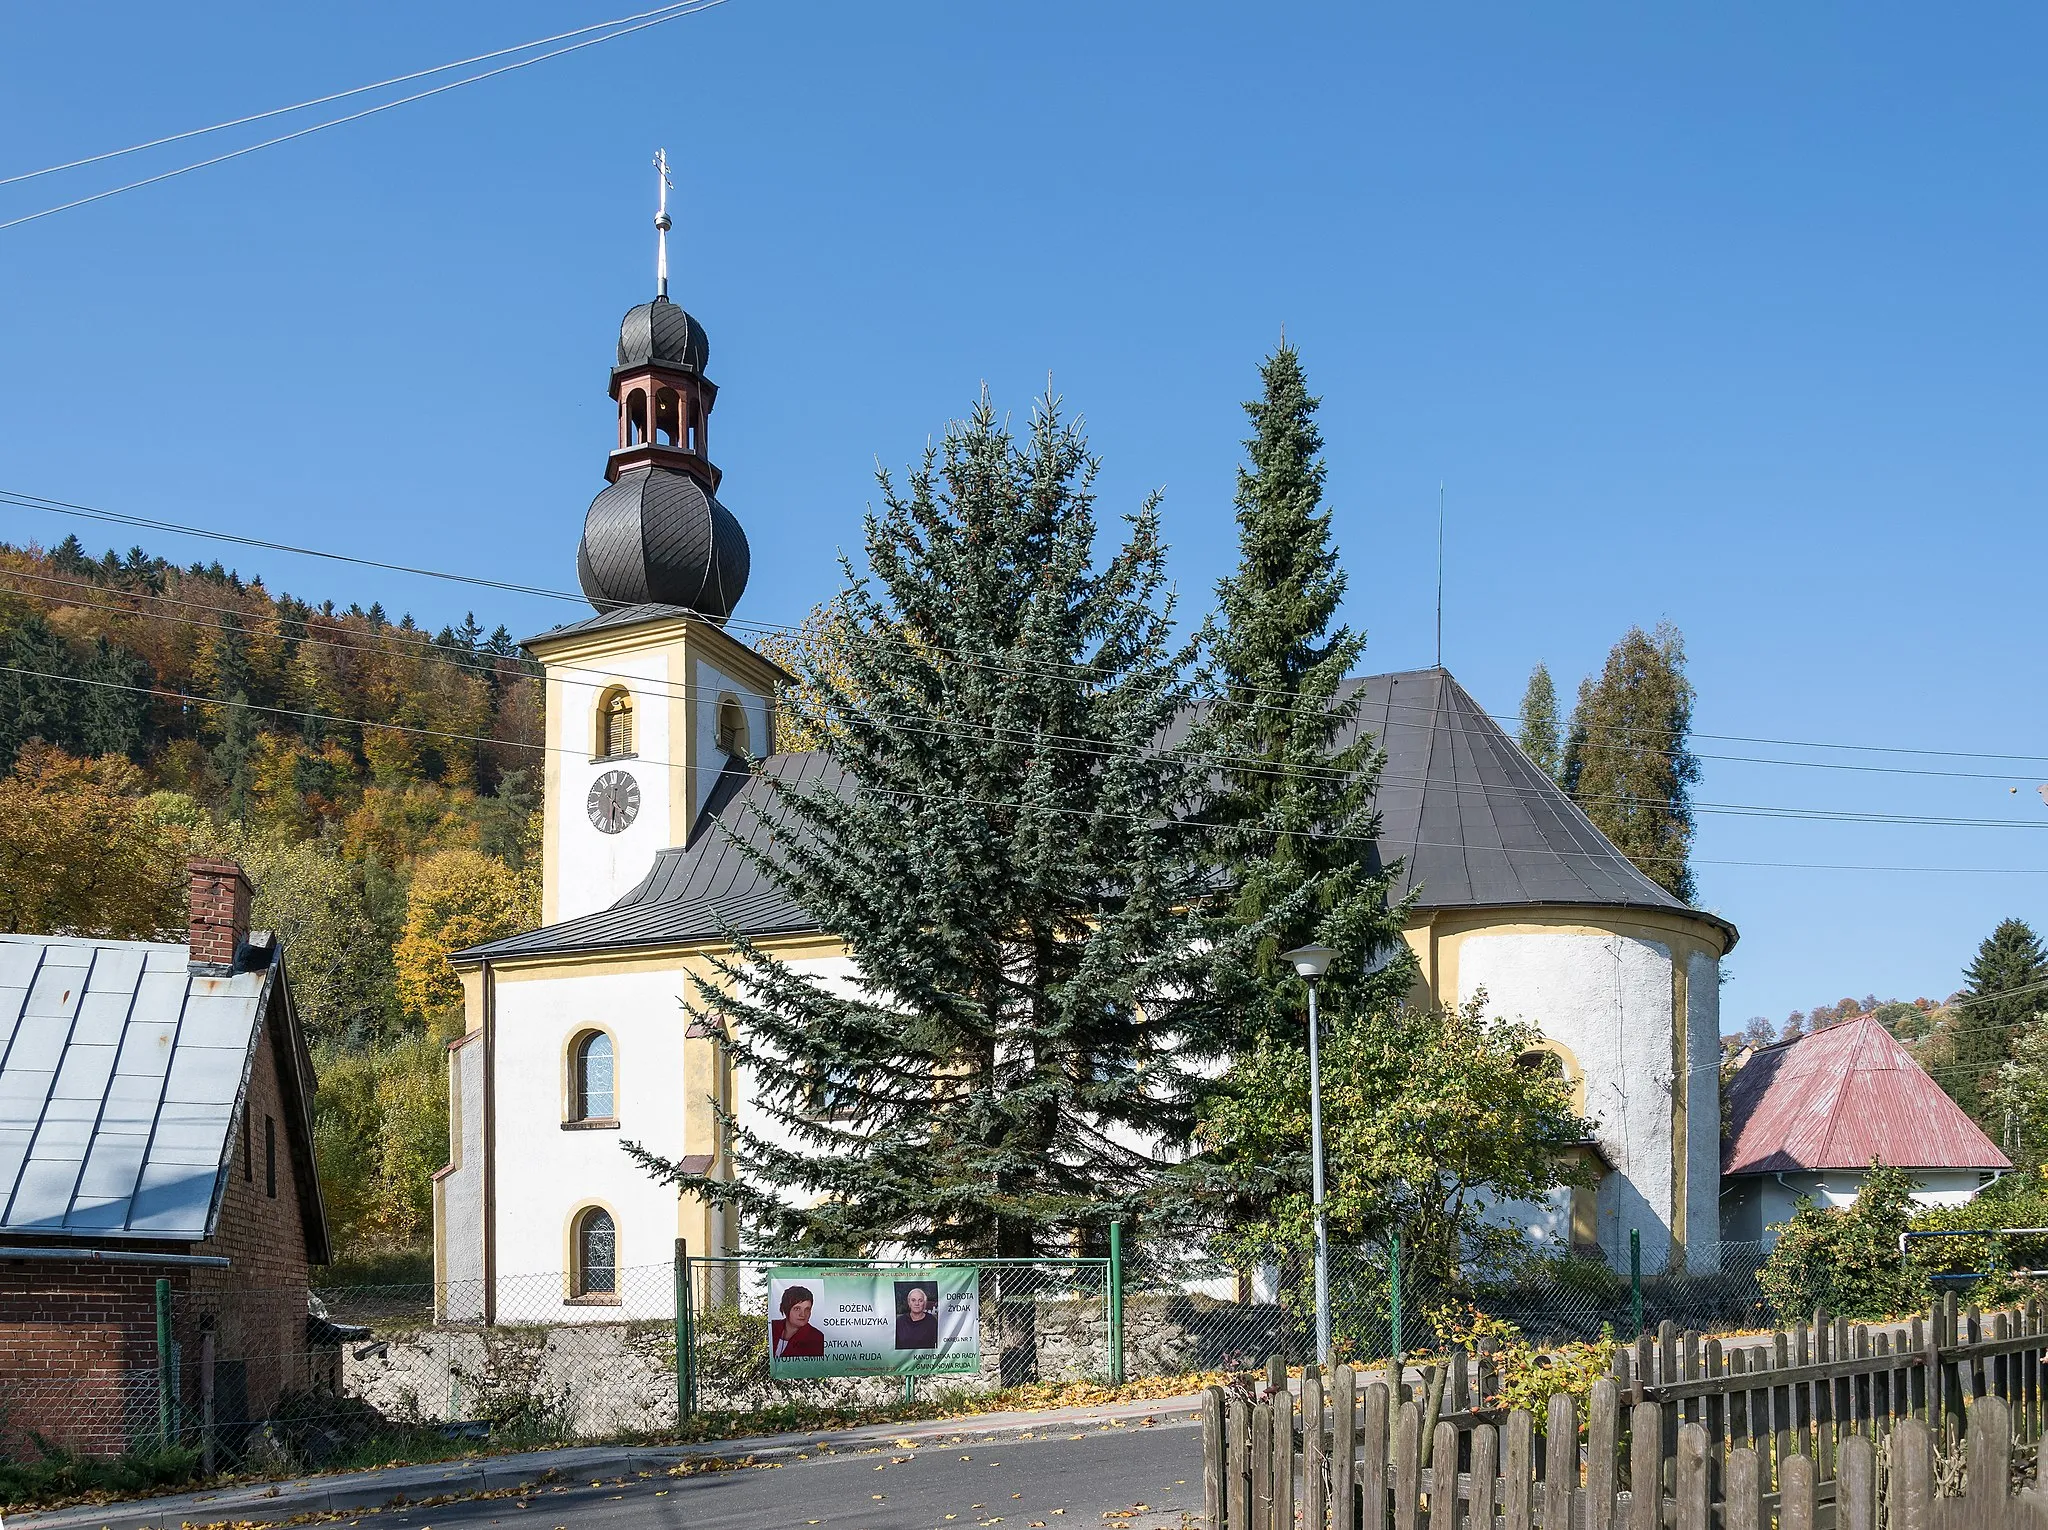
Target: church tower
(650, 700)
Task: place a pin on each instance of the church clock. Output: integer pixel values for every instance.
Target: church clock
(614, 801)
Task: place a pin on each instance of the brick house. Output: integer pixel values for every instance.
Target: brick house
(156, 1123)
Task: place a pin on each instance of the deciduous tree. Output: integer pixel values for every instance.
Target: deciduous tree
(79, 856)
(1538, 735)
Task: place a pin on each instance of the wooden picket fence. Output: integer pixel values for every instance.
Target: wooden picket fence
(1819, 1425)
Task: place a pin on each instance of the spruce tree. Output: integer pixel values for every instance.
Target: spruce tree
(1290, 822)
(1538, 737)
(2005, 992)
(1003, 864)
(1627, 763)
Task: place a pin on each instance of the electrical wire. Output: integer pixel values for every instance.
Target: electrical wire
(339, 95)
(690, 7)
(1236, 764)
(1333, 837)
(23, 500)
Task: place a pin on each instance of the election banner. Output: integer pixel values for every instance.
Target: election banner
(894, 1321)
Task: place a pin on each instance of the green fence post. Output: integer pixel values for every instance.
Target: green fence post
(686, 1337)
(1116, 1304)
(1394, 1274)
(165, 1379)
(1635, 1283)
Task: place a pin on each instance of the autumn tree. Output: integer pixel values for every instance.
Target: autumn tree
(1627, 762)
(459, 898)
(79, 856)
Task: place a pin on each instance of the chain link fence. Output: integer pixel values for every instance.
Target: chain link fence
(1040, 1321)
(269, 1380)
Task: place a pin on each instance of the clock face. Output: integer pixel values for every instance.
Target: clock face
(614, 801)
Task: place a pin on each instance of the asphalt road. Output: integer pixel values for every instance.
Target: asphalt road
(1129, 1477)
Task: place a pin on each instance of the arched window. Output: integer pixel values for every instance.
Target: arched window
(732, 726)
(1554, 1059)
(591, 1093)
(614, 723)
(595, 1247)
(636, 418)
(666, 410)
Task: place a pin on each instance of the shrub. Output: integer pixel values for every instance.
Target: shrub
(1847, 1262)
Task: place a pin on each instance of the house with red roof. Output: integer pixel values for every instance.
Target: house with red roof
(1807, 1117)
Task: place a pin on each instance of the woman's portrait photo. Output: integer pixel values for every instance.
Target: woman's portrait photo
(791, 1336)
(917, 1314)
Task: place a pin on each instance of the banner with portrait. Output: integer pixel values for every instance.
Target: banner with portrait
(873, 1321)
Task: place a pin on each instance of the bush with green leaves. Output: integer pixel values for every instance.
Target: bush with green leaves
(1847, 1262)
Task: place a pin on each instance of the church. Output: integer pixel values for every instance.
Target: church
(576, 1038)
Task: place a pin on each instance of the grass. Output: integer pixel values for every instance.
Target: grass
(63, 1476)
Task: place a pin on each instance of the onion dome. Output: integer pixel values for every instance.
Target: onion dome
(660, 334)
(658, 535)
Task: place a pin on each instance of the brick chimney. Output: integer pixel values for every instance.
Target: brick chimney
(220, 913)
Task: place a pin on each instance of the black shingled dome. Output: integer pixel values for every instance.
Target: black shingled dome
(661, 334)
(658, 535)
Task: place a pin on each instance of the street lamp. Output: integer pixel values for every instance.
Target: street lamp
(1312, 962)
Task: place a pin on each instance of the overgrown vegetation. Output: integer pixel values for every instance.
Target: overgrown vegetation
(372, 778)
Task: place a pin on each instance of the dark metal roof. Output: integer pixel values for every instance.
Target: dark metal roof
(1475, 824)
(1838, 1099)
(661, 334)
(658, 535)
(696, 891)
(618, 616)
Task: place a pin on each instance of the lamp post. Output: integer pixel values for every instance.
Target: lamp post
(1312, 962)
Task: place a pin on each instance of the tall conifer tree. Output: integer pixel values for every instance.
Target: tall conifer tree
(1295, 781)
(1627, 759)
(1004, 866)
(1538, 737)
(2002, 996)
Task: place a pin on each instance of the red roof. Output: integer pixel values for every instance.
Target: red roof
(1840, 1097)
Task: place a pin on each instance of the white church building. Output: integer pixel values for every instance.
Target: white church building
(576, 1037)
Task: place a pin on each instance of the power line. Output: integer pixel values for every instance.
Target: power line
(955, 798)
(22, 500)
(339, 95)
(689, 8)
(1235, 764)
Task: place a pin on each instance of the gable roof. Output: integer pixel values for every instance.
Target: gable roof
(1840, 1097)
(1474, 823)
(122, 1075)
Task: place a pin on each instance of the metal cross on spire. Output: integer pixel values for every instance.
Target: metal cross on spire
(662, 226)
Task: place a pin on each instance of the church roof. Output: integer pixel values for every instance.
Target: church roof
(1840, 1097)
(1474, 823)
(1472, 819)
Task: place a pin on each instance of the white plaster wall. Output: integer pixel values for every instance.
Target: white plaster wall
(595, 870)
(459, 1225)
(836, 974)
(546, 1174)
(708, 685)
(1608, 999)
(1703, 1112)
(1546, 1222)
(1836, 1190)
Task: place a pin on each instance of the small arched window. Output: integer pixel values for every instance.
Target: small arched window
(591, 1093)
(636, 418)
(732, 727)
(595, 1245)
(667, 410)
(614, 724)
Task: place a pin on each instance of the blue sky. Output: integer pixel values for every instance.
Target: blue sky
(1732, 316)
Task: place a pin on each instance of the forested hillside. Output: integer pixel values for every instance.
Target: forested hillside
(376, 780)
